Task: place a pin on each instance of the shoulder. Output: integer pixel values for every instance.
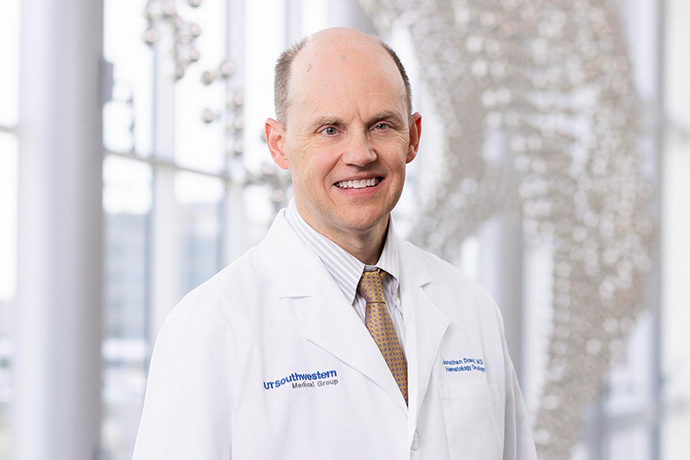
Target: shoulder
(444, 275)
(455, 293)
(225, 299)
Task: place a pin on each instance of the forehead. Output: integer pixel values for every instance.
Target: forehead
(341, 73)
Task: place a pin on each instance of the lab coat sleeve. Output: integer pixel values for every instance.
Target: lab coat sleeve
(518, 444)
(188, 403)
(518, 441)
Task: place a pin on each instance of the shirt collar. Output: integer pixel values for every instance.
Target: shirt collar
(344, 268)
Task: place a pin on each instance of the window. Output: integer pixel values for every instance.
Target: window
(9, 76)
(189, 186)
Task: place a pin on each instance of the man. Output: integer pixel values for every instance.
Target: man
(334, 339)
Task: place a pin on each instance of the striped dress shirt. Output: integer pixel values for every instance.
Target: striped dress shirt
(346, 269)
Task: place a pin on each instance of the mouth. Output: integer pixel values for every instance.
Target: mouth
(362, 183)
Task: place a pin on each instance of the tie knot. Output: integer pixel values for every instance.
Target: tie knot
(370, 286)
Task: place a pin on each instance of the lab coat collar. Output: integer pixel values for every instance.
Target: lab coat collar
(333, 325)
(290, 259)
(345, 268)
(330, 321)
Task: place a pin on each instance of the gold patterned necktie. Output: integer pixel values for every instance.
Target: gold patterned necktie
(380, 325)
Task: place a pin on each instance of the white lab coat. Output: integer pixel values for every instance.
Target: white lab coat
(267, 360)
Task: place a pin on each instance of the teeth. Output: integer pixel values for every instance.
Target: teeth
(358, 183)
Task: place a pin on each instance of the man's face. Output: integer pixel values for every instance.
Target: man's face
(348, 136)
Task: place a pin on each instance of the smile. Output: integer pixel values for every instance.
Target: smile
(373, 182)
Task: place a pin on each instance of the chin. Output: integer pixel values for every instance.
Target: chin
(366, 222)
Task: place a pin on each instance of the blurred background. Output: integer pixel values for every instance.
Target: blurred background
(554, 170)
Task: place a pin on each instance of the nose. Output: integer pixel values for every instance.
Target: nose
(359, 151)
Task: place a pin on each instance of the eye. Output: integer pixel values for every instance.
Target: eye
(329, 131)
(382, 126)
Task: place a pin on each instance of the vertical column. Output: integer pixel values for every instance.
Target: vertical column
(57, 380)
(502, 256)
(293, 22)
(233, 205)
(656, 298)
(346, 13)
(501, 274)
(164, 234)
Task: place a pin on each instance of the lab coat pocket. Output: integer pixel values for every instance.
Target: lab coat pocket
(470, 410)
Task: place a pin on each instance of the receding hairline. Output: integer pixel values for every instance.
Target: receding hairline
(283, 72)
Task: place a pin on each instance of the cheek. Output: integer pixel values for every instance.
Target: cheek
(320, 165)
(396, 160)
(394, 150)
(312, 169)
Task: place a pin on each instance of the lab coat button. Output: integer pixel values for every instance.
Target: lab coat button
(415, 442)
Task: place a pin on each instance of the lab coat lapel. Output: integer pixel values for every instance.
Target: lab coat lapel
(331, 323)
(426, 325)
(336, 328)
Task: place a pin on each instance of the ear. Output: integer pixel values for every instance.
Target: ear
(275, 139)
(415, 135)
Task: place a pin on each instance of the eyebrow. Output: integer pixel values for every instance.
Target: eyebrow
(385, 115)
(324, 121)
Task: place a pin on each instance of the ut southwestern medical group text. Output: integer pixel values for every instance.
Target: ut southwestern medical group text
(305, 380)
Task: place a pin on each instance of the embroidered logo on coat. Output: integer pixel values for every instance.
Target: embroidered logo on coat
(310, 380)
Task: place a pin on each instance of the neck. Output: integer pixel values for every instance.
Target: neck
(366, 245)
